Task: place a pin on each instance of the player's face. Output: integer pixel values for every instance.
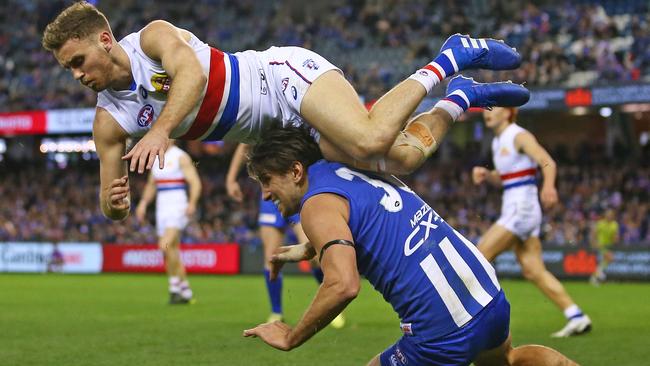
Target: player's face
(496, 116)
(281, 189)
(88, 60)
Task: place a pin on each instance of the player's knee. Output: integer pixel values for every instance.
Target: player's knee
(531, 273)
(371, 147)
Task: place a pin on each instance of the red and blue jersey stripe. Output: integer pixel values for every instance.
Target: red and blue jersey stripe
(221, 100)
(519, 178)
(170, 184)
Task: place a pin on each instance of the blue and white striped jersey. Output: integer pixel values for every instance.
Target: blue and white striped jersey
(435, 279)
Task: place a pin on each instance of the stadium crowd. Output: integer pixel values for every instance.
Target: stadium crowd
(42, 202)
(377, 43)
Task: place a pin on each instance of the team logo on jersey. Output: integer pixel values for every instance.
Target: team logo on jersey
(145, 117)
(310, 64)
(285, 83)
(161, 82)
(294, 92)
(504, 151)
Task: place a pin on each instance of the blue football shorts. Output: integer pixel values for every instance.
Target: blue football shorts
(487, 330)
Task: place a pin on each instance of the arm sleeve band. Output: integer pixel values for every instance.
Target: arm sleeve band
(333, 242)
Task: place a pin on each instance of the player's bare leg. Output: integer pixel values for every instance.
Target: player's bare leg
(528, 355)
(496, 241)
(333, 107)
(169, 243)
(423, 134)
(272, 238)
(529, 255)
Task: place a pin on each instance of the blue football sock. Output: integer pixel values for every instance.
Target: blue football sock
(318, 274)
(274, 289)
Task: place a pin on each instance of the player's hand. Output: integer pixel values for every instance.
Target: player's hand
(118, 194)
(234, 191)
(190, 210)
(479, 174)
(141, 213)
(274, 334)
(142, 156)
(289, 254)
(548, 196)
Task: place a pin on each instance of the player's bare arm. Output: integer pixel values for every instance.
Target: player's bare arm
(162, 41)
(148, 195)
(110, 142)
(482, 174)
(526, 142)
(290, 254)
(193, 181)
(232, 186)
(324, 218)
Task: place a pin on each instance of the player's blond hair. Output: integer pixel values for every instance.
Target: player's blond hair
(77, 21)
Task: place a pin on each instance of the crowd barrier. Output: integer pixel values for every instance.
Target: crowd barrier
(630, 262)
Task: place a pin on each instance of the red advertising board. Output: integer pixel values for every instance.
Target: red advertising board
(198, 258)
(22, 123)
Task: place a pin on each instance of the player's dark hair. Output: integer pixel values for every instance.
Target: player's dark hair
(279, 148)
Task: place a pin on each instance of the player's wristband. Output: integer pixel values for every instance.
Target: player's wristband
(333, 242)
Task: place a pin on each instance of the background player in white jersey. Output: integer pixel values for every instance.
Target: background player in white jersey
(450, 303)
(170, 187)
(215, 95)
(272, 226)
(517, 154)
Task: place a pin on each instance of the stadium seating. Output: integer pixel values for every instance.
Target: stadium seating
(568, 43)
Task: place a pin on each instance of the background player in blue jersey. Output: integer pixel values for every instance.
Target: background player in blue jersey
(450, 303)
(272, 226)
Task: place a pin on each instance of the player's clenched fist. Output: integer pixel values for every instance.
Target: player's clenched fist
(479, 174)
(548, 196)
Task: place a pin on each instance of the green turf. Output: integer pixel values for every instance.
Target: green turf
(124, 320)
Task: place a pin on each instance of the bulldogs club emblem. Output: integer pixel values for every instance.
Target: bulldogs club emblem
(145, 117)
(161, 82)
(310, 64)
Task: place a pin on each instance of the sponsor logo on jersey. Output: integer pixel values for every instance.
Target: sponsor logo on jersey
(161, 82)
(285, 83)
(263, 86)
(400, 355)
(310, 64)
(393, 360)
(145, 116)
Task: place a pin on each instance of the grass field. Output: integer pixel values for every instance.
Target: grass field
(124, 320)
